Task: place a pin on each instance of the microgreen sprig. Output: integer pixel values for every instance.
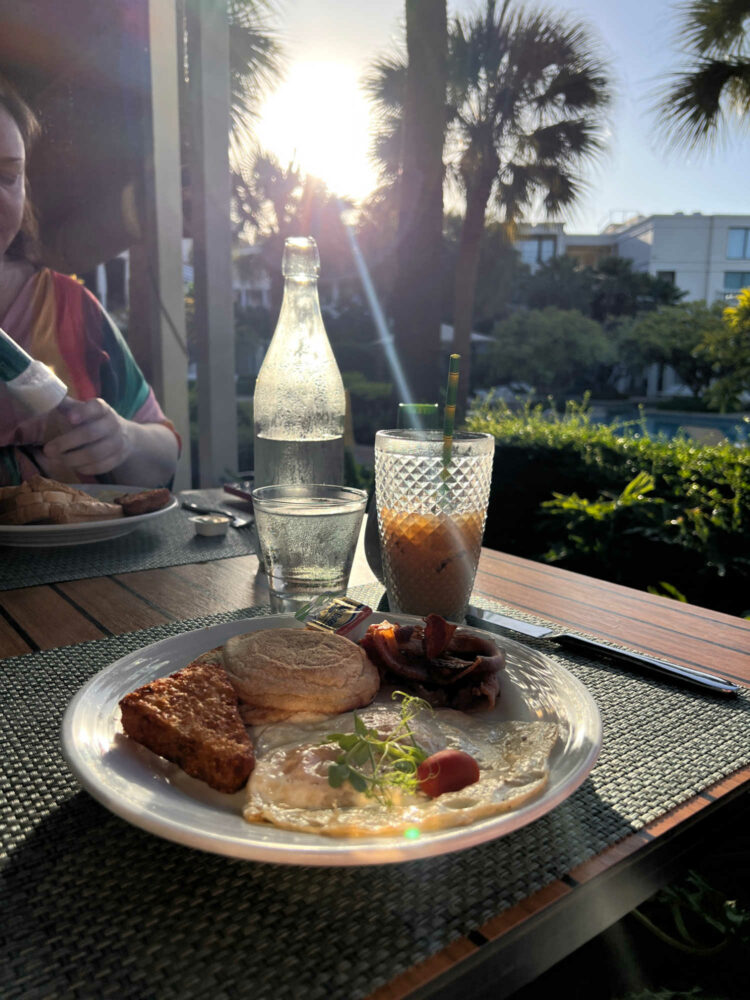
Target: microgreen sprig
(375, 765)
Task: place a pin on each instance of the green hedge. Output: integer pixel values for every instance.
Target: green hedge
(672, 516)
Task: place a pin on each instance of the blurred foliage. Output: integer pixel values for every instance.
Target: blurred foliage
(361, 477)
(670, 336)
(373, 406)
(500, 275)
(727, 348)
(712, 90)
(613, 503)
(353, 336)
(554, 350)
(612, 288)
(704, 921)
(272, 202)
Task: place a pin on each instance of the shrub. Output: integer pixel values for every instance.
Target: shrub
(372, 405)
(555, 350)
(671, 515)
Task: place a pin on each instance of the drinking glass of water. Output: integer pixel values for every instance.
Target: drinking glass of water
(307, 536)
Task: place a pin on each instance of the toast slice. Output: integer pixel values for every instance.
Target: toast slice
(192, 719)
(45, 501)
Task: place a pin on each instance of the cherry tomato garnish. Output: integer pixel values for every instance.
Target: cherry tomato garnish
(447, 771)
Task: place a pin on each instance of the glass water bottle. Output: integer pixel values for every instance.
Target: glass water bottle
(299, 403)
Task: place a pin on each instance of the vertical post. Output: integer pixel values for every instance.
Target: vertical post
(157, 300)
(210, 190)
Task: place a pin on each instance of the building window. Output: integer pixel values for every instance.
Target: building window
(738, 244)
(735, 280)
(537, 250)
(666, 276)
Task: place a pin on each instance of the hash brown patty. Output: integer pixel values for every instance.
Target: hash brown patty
(192, 719)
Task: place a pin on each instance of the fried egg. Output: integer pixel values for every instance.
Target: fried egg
(289, 785)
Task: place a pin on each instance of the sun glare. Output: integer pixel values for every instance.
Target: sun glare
(319, 118)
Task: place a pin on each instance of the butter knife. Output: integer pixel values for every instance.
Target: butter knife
(481, 618)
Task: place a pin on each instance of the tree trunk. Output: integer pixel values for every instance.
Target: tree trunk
(416, 301)
(467, 266)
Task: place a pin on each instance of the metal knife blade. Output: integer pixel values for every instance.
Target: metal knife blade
(481, 618)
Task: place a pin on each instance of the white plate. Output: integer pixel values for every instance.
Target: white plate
(157, 796)
(44, 535)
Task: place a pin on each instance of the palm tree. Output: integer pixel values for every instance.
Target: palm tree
(255, 65)
(255, 62)
(526, 98)
(272, 202)
(416, 308)
(716, 86)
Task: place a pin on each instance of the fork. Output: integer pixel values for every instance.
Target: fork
(234, 520)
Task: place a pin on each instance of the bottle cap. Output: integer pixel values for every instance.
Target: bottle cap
(301, 259)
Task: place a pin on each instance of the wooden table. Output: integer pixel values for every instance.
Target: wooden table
(521, 943)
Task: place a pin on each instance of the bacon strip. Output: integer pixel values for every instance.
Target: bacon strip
(445, 665)
(437, 635)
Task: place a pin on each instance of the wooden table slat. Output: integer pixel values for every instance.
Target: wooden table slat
(517, 914)
(11, 642)
(423, 972)
(112, 606)
(47, 618)
(712, 650)
(180, 596)
(610, 857)
(729, 784)
(546, 578)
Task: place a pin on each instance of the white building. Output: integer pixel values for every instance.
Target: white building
(707, 256)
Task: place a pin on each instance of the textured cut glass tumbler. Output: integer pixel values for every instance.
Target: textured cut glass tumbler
(431, 518)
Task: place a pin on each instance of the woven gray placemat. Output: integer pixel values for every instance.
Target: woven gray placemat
(96, 908)
(167, 541)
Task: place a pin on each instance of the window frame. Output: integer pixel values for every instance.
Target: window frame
(744, 281)
(745, 241)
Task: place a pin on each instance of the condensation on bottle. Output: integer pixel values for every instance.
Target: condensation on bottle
(299, 404)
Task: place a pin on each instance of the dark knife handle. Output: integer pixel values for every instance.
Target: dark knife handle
(671, 671)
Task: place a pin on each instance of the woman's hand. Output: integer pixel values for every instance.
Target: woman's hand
(99, 441)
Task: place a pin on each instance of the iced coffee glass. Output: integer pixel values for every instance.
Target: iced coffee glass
(431, 517)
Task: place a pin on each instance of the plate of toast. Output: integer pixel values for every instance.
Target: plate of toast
(42, 512)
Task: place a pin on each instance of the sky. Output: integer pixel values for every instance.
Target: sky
(330, 43)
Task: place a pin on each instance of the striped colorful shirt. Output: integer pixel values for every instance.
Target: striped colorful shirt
(59, 322)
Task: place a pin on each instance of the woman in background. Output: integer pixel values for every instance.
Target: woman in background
(117, 431)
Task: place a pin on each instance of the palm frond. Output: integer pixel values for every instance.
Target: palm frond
(385, 84)
(578, 87)
(738, 92)
(386, 150)
(255, 64)
(515, 190)
(715, 28)
(561, 188)
(563, 141)
(692, 109)
(524, 181)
